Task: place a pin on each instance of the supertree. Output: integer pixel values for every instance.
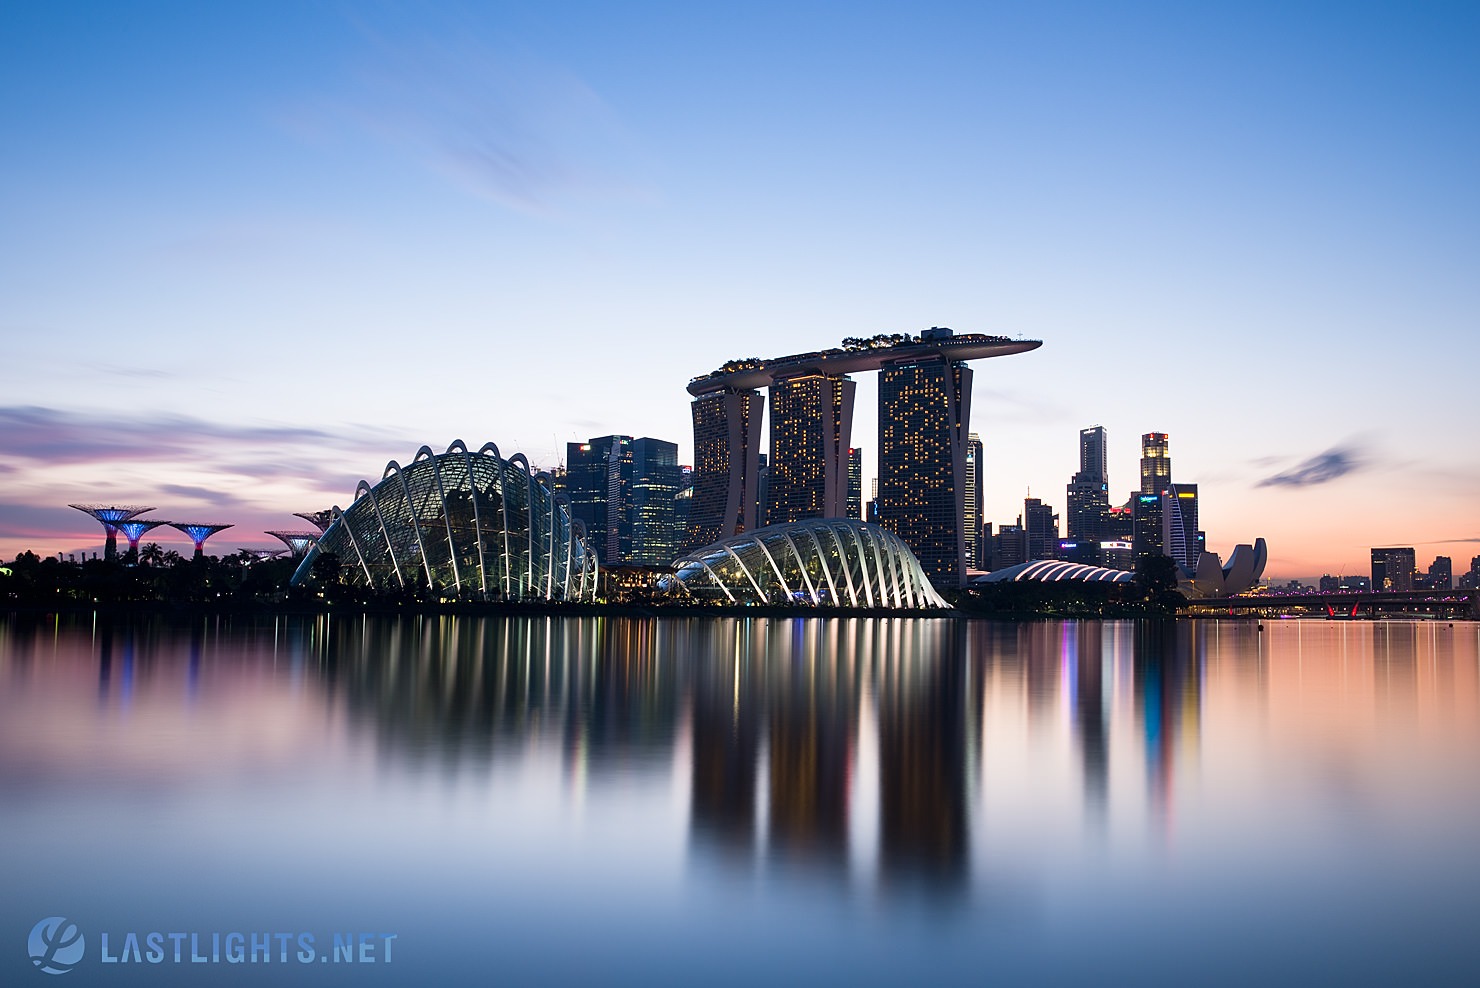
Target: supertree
(110, 515)
(318, 519)
(133, 529)
(198, 533)
(297, 542)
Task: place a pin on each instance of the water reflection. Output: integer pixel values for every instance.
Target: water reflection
(891, 753)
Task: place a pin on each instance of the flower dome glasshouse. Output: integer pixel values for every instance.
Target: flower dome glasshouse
(836, 562)
(460, 522)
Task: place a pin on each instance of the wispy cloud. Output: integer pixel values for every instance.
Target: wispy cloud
(55, 436)
(1009, 405)
(507, 128)
(213, 497)
(26, 521)
(1319, 469)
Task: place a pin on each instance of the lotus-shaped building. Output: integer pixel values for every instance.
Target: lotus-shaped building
(1214, 578)
(459, 522)
(835, 562)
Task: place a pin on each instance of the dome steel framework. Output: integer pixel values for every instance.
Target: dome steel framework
(1056, 571)
(461, 521)
(821, 561)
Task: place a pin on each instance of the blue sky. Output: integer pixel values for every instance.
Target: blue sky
(250, 252)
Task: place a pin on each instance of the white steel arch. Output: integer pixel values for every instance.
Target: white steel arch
(878, 570)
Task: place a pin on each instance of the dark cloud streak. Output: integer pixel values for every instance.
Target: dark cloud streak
(1319, 469)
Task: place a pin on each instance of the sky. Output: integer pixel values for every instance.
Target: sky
(249, 253)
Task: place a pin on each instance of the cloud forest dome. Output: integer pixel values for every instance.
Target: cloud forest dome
(821, 561)
(461, 522)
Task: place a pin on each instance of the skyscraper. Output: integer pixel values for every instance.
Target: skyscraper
(811, 426)
(927, 391)
(1093, 461)
(762, 490)
(682, 501)
(855, 483)
(1156, 463)
(973, 499)
(1180, 535)
(1010, 547)
(587, 482)
(1471, 580)
(1042, 528)
(924, 419)
(623, 491)
(1148, 526)
(727, 427)
(1150, 513)
(1393, 569)
(1089, 493)
(655, 483)
(618, 501)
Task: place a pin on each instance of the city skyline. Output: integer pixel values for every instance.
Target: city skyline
(228, 238)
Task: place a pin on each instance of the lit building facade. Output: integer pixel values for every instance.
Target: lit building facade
(924, 421)
(1148, 525)
(1440, 575)
(1088, 501)
(1181, 538)
(727, 428)
(618, 503)
(1393, 569)
(1156, 463)
(623, 491)
(811, 427)
(974, 512)
(586, 483)
(855, 483)
(654, 488)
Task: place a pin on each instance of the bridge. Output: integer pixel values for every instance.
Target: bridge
(1416, 603)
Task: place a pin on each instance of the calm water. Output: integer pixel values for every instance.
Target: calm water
(719, 801)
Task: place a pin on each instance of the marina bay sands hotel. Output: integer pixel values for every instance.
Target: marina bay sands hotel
(924, 421)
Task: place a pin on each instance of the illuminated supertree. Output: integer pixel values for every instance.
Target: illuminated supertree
(298, 542)
(133, 529)
(110, 515)
(263, 555)
(318, 519)
(198, 533)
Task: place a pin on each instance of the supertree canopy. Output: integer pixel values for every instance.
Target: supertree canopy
(297, 542)
(133, 529)
(110, 515)
(198, 532)
(318, 519)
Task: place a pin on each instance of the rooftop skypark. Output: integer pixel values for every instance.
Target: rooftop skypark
(858, 354)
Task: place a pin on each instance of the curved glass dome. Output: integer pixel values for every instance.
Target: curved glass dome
(822, 561)
(1056, 571)
(463, 522)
